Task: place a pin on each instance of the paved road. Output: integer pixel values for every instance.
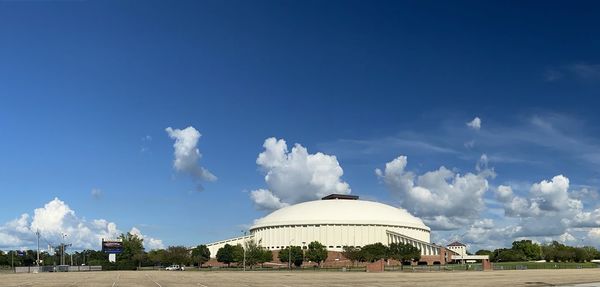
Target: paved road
(304, 278)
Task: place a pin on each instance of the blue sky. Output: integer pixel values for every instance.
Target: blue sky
(87, 89)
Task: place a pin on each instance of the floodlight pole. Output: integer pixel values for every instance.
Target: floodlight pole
(303, 245)
(290, 254)
(38, 248)
(244, 249)
(62, 257)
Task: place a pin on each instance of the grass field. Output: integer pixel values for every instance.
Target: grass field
(545, 265)
(305, 278)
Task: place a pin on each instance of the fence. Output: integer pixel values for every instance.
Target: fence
(60, 268)
(542, 265)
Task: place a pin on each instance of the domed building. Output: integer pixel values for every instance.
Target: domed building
(337, 221)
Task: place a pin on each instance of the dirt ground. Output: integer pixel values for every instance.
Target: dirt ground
(566, 277)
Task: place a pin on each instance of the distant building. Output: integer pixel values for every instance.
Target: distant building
(458, 248)
(337, 221)
(462, 256)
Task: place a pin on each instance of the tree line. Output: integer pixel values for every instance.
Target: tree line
(132, 256)
(256, 254)
(316, 253)
(403, 253)
(526, 250)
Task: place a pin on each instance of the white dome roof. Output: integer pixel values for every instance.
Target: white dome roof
(340, 211)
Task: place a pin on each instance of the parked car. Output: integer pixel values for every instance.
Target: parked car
(173, 267)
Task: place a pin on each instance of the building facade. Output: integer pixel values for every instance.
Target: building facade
(337, 221)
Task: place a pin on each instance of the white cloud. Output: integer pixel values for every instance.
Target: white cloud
(551, 75)
(187, 154)
(53, 220)
(504, 193)
(265, 199)
(296, 176)
(149, 242)
(594, 235)
(443, 198)
(146, 140)
(586, 71)
(96, 193)
(475, 124)
(549, 212)
(552, 195)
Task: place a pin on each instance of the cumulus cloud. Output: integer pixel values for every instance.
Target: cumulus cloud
(264, 199)
(548, 199)
(550, 211)
(53, 220)
(150, 243)
(475, 124)
(187, 154)
(296, 176)
(444, 199)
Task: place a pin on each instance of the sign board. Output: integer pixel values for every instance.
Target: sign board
(20, 252)
(112, 246)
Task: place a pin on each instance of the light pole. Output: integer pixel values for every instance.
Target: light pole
(62, 245)
(244, 248)
(38, 249)
(290, 254)
(303, 248)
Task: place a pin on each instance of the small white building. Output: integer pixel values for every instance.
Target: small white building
(458, 248)
(462, 255)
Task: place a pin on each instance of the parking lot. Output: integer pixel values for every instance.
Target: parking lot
(304, 278)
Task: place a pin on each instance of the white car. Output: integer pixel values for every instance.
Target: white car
(174, 267)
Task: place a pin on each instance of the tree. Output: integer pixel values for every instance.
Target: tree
(296, 253)
(509, 255)
(316, 252)
(177, 255)
(256, 254)
(133, 251)
(404, 252)
(530, 250)
(226, 254)
(267, 256)
(556, 252)
(484, 252)
(238, 253)
(374, 252)
(157, 257)
(200, 254)
(352, 253)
